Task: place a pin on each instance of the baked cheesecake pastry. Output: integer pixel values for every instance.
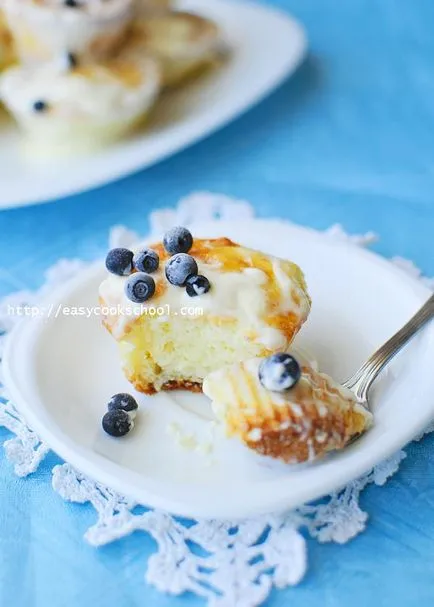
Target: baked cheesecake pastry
(90, 29)
(144, 8)
(183, 43)
(285, 409)
(7, 50)
(205, 304)
(64, 107)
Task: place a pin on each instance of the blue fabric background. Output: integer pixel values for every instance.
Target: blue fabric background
(349, 139)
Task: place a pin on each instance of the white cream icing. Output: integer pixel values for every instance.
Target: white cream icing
(239, 295)
(272, 338)
(255, 435)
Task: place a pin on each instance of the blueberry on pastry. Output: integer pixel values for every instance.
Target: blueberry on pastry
(279, 372)
(179, 268)
(183, 43)
(283, 409)
(65, 109)
(119, 261)
(196, 285)
(178, 240)
(139, 287)
(90, 29)
(147, 261)
(225, 304)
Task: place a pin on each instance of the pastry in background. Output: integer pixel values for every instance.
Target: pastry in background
(144, 8)
(89, 29)
(183, 43)
(247, 304)
(7, 50)
(285, 409)
(66, 108)
(89, 71)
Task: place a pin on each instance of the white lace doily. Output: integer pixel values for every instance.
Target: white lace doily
(240, 562)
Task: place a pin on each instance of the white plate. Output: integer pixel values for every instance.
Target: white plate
(61, 372)
(267, 47)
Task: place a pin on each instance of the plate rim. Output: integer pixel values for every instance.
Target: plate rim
(95, 465)
(207, 126)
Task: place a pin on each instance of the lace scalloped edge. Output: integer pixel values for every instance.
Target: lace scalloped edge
(234, 564)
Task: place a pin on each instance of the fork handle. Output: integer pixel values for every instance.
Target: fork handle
(362, 380)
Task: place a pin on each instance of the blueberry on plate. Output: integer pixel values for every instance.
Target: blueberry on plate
(119, 261)
(40, 106)
(146, 261)
(178, 240)
(117, 423)
(179, 268)
(123, 402)
(139, 287)
(279, 372)
(197, 285)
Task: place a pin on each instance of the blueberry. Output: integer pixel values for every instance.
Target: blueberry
(124, 402)
(197, 285)
(117, 423)
(119, 261)
(279, 372)
(179, 268)
(146, 261)
(40, 106)
(178, 240)
(72, 3)
(139, 287)
(71, 61)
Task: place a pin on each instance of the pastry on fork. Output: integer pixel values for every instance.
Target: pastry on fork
(285, 409)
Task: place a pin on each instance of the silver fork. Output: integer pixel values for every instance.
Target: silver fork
(362, 380)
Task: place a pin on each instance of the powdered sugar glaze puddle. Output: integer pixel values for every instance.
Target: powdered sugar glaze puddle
(63, 396)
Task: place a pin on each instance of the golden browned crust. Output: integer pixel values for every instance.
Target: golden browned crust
(203, 249)
(148, 31)
(317, 417)
(297, 444)
(107, 44)
(149, 388)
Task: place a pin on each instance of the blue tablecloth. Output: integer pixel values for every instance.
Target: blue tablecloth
(349, 139)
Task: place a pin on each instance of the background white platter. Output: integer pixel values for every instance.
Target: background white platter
(266, 46)
(62, 371)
